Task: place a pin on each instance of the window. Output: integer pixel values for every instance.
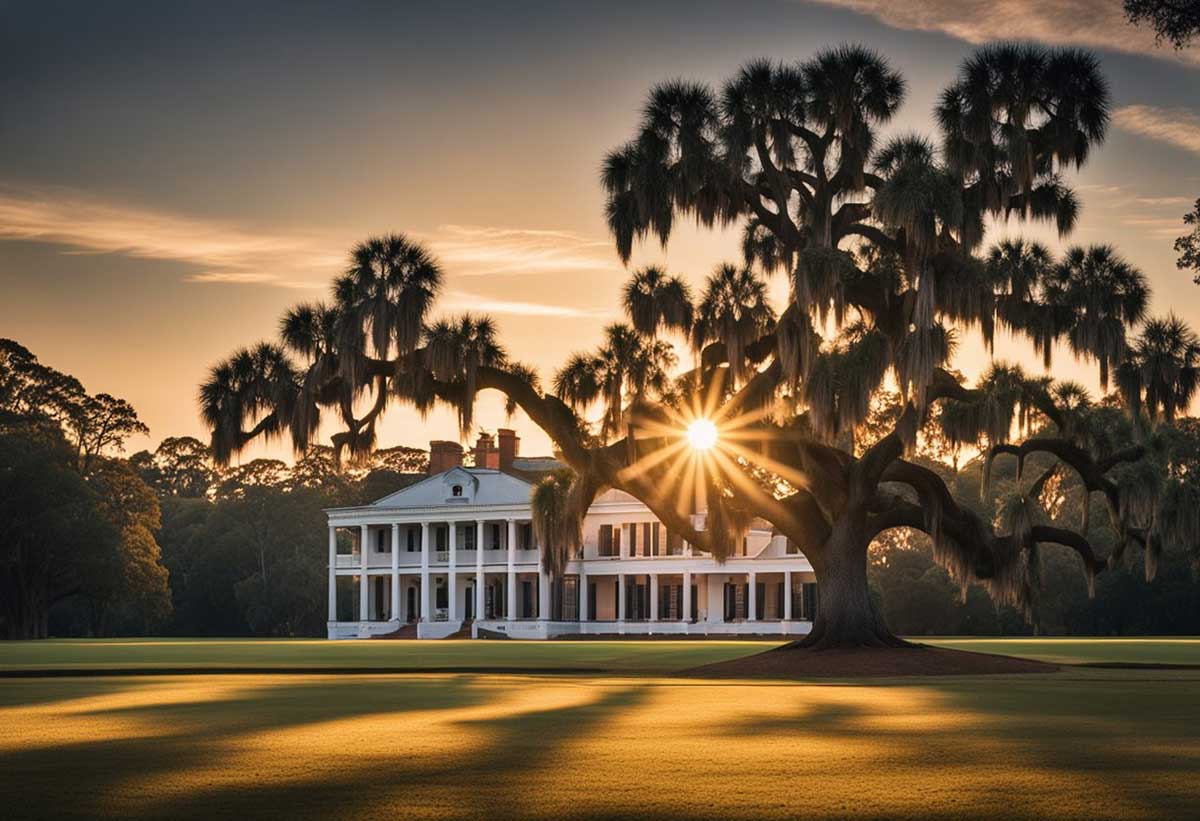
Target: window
(456, 490)
(494, 544)
(633, 539)
(469, 537)
(383, 541)
(414, 543)
(443, 537)
(525, 536)
(605, 545)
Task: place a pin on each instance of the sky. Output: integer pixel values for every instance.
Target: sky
(174, 175)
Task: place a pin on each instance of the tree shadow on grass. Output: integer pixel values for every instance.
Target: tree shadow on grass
(21, 692)
(1130, 742)
(77, 778)
(491, 780)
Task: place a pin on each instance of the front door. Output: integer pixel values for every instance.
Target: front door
(469, 604)
(412, 611)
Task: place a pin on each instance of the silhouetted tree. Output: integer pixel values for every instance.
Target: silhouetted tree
(880, 244)
(1176, 21)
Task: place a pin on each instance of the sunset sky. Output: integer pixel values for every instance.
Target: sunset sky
(174, 175)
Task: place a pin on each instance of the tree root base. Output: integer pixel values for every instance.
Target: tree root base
(795, 662)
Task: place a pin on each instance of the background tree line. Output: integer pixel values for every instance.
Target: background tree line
(159, 543)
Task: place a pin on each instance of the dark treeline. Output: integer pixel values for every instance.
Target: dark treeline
(162, 543)
(247, 548)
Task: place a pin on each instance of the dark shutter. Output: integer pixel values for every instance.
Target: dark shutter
(606, 540)
(633, 539)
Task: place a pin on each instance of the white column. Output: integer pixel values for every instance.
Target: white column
(451, 575)
(479, 599)
(787, 595)
(364, 589)
(653, 579)
(332, 573)
(543, 593)
(426, 614)
(583, 591)
(395, 572)
(621, 597)
(510, 599)
(687, 595)
(752, 608)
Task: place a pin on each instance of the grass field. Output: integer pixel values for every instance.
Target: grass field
(135, 654)
(602, 656)
(1083, 742)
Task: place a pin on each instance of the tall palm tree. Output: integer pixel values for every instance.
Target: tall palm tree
(1162, 372)
(626, 368)
(734, 310)
(656, 301)
(383, 299)
(1102, 294)
(256, 386)
(1018, 114)
(455, 350)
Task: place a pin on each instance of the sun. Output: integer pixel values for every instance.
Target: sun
(702, 434)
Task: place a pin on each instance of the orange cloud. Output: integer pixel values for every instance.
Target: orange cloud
(1091, 23)
(1176, 126)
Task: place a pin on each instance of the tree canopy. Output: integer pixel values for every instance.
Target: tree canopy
(76, 523)
(882, 243)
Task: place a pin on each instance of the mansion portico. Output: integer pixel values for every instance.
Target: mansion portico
(458, 549)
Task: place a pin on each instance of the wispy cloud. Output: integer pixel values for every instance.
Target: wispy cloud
(223, 252)
(1176, 126)
(1163, 202)
(472, 250)
(1092, 23)
(1156, 227)
(463, 301)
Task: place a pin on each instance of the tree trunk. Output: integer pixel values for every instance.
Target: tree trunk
(845, 614)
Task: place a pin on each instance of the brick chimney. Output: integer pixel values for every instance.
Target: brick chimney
(486, 455)
(510, 446)
(444, 455)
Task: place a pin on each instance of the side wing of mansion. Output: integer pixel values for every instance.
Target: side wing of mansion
(457, 548)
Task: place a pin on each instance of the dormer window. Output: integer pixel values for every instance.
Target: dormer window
(456, 490)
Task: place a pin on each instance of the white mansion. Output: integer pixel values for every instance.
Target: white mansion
(457, 549)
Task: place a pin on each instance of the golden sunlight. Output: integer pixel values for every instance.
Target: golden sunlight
(702, 434)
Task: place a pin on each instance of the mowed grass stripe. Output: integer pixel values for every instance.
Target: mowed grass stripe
(395, 656)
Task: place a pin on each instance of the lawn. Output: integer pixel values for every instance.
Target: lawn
(1086, 743)
(318, 654)
(1085, 651)
(630, 741)
(510, 656)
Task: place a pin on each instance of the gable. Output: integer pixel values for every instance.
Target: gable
(474, 487)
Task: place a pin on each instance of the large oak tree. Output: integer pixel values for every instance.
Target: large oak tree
(881, 244)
